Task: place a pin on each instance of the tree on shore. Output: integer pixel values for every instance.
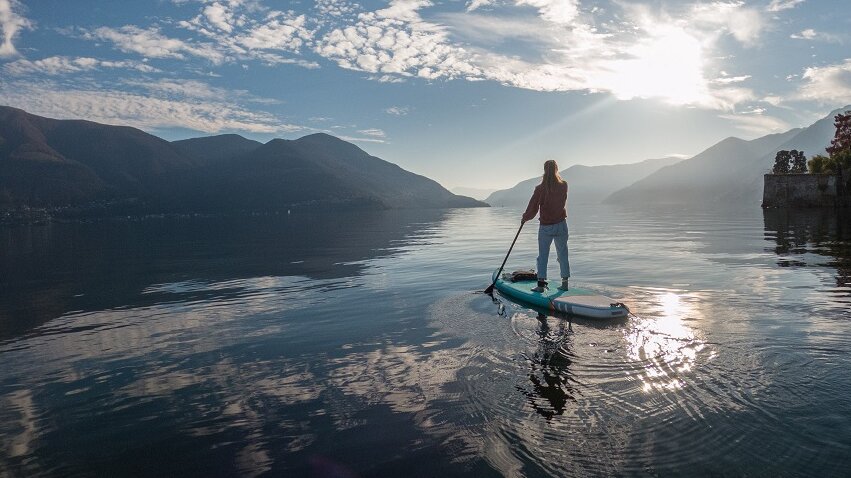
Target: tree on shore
(839, 151)
(841, 141)
(798, 161)
(781, 162)
(786, 162)
(820, 164)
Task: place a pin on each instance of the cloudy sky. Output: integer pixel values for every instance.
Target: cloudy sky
(471, 93)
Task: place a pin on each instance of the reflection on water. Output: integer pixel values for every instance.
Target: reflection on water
(662, 339)
(308, 345)
(49, 270)
(808, 237)
(550, 370)
(22, 426)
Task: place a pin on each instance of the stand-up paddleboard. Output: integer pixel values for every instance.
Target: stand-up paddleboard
(574, 301)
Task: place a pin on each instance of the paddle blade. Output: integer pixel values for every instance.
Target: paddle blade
(489, 290)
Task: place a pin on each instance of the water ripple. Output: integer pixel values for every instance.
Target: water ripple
(559, 391)
(366, 350)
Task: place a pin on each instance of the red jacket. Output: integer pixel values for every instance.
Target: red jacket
(552, 205)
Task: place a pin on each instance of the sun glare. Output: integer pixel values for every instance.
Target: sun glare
(667, 65)
(665, 343)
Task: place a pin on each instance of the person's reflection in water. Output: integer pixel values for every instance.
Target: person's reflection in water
(550, 375)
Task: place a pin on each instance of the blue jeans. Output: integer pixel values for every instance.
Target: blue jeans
(546, 235)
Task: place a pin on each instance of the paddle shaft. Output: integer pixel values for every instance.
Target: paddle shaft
(490, 289)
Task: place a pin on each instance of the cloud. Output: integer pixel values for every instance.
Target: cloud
(230, 34)
(178, 88)
(757, 123)
(397, 110)
(279, 31)
(807, 34)
(387, 79)
(219, 16)
(726, 80)
(11, 22)
(395, 40)
(562, 12)
(780, 5)
(151, 43)
(361, 139)
(496, 30)
(649, 55)
(744, 23)
(233, 30)
(475, 4)
(810, 34)
(830, 84)
(145, 109)
(773, 100)
(57, 65)
(637, 52)
(373, 132)
(335, 8)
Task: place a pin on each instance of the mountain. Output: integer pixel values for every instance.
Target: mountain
(47, 162)
(728, 172)
(72, 163)
(811, 140)
(393, 185)
(587, 184)
(214, 149)
(477, 193)
(318, 170)
(710, 176)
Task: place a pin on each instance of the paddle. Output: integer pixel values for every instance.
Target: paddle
(489, 290)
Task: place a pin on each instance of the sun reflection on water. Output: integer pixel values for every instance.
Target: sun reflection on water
(660, 340)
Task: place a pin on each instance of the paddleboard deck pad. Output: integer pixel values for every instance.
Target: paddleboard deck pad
(574, 301)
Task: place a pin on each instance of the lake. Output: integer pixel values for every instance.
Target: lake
(360, 344)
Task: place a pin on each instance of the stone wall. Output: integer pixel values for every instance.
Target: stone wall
(800, 190)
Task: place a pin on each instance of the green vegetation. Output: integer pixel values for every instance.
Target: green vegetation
(841, 142)
(786, 162)
(839, 151)
(821, 164)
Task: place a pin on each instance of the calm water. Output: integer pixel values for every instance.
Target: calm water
(357, 345)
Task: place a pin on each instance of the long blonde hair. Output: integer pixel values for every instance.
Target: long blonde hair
(551, 176)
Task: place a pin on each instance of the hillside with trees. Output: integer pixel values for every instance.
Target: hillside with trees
(85, 168)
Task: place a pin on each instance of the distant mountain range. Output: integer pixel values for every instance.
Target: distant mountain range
(587, 184)
(728, 172)
(73, 163)
(477, 193)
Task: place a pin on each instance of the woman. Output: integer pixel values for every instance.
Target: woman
(550, 197)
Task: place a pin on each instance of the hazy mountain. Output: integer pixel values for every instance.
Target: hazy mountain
(707, 177)
(811, 140)
(728, 172)
(587, 184)
(48, 163)
(476, 193)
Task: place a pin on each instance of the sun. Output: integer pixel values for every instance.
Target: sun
(667, 65)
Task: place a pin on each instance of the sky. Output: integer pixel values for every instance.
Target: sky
(475, 93)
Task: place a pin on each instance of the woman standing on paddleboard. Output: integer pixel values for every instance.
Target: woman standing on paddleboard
(550, 197)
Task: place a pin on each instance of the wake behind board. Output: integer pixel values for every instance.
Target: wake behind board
(573, 301)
